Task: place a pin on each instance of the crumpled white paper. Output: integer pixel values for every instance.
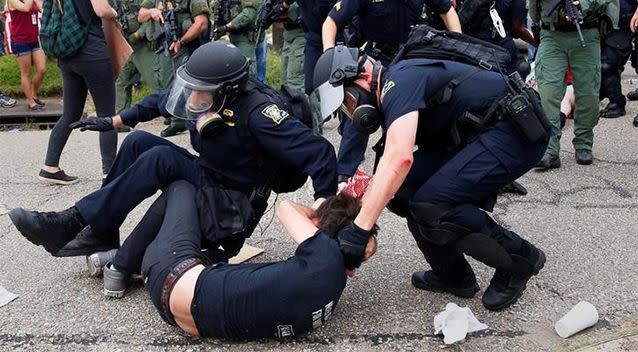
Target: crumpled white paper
(455, 323)
(6, 296)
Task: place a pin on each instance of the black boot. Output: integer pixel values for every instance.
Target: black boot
(87, 242)
(612, 110)
(52, 230)
(506, 288)
(427, 280)
(172, 131)
(549, 161)
(633, 95)
(636, 121)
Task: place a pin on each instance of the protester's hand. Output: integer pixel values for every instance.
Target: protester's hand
(353, 241)
(633, 24)
(94, 124)
(156, 15)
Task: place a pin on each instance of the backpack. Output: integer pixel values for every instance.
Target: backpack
(426, 42)
(283, 178)
(61, 33)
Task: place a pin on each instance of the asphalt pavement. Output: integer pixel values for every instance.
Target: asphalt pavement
(583, 217)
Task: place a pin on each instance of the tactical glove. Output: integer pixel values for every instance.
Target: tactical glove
(219, 32)
(353, 241)
(94, 123)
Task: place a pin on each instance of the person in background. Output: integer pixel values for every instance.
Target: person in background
(90, 70)
(26, 47)
(6, 101)
(261, 55)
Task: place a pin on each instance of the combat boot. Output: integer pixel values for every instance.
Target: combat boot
(636, 121)
(115, 281)
(427, 280)
(506, 288)
(172, 131)
(549, 161)
(88, 242)
(633, 95)
(96, 261)
(612, 110)
(53, 230)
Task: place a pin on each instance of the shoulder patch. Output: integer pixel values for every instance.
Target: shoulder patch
(337, 6)
(274, 113)
(386, 87)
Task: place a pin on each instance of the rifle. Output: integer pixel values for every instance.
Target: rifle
(122, 10)
(217, 19)
(265, 18)
(572, 12)
(169, 29)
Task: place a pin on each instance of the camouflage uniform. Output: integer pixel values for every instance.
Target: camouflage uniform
(241, 14)
(292, 53)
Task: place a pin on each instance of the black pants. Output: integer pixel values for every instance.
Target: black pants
(615, 52)
(78, 78)
(179, 239)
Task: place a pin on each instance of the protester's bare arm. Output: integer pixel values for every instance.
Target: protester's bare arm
(20, 6)
(103, 9)
(297, 220)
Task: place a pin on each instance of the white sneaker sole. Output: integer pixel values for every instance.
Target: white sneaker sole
(58, 182)
(113, 294)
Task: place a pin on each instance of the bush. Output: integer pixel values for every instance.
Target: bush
(10, 78)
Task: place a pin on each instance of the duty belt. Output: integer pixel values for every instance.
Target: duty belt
(568, 27)
(170, 281)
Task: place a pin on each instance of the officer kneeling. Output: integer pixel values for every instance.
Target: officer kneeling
(474, 131)
(244, 141)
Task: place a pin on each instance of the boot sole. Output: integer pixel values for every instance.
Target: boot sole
(82, 251)
(17, 216)
(114, 294)
(58, 182)
(469, 292)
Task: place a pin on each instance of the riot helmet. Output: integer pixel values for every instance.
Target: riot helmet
(215, 73)
(347, 80)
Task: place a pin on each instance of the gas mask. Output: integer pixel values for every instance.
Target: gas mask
(359, 106)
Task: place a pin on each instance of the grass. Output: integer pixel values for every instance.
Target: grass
(52, 84)
(10, 78)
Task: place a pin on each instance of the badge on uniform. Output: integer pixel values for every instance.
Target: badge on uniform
(274, 113)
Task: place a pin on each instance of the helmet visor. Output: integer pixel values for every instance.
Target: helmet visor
(189, 97)
(330, 98)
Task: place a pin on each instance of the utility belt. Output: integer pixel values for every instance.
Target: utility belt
(568, 27)
(521, 106)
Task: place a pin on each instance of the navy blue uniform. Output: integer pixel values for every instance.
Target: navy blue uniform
(245, 301)
(464, 180)
(147, 163)
(615, 51)
(479, 23)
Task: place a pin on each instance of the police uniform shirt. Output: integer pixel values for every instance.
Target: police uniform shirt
(384, 21)
(314, 13)
(280, 299)
(283, 138)
(409, 84)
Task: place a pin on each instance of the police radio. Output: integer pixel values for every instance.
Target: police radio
(525, 118)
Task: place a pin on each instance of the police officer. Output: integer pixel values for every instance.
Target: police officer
(384, 40)
(496, 22)
(444, 185)
(212, 89)
(141, 61)
(237, 19)
(559, 48)
(189, 19)
(615, 51)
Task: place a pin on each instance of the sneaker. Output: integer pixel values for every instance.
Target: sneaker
(88, 242)
(6, 101)
(427, 280)
(505, 289)
(59, 178)
(39, 102)
(53, 230)
(96, 261)
(115, 281)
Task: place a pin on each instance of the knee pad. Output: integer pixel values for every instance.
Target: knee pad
(432, 227)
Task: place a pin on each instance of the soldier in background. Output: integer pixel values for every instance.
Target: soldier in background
(183, 23)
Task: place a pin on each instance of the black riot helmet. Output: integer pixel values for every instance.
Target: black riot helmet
(215, 73)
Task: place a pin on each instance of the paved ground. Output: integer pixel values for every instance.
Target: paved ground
(583, 217)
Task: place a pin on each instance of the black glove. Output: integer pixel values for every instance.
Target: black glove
(94, 123)
(277, 12)
(353, 241)
(219, 32)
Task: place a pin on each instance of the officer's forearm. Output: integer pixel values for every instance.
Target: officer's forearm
(520, 31)
(328, 33)
(245, 18)
(144, 15)
(117, 121)
(451, 20)
(199, 26)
